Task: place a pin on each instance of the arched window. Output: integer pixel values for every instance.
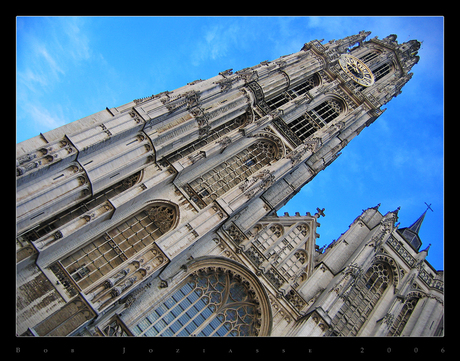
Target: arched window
(361, 300)
(293, 92)
(209, 302)
(289, 242)
(315, 119)
(381, 71)
(369, 56)
(400, 322)
(91, 263)
(233, 171)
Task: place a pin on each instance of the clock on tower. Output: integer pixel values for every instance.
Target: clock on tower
(357, 70)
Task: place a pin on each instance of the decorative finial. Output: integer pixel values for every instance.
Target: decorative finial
(427, 248)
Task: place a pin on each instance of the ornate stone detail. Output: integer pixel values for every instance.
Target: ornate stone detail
(163, 216)
(281, 151)
(254, 255)
(247, 74)
(278, 308)
(235, 234)
(256, 89)
(224, 143)
(388, 319)
(64, 279)
(296, 300)
(225, 84)
(105, 129)
(287, 132)
(267, 178)
(274, 277)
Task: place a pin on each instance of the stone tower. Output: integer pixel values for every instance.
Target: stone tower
(170, 201)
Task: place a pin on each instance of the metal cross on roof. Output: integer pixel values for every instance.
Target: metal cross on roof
(428, 205)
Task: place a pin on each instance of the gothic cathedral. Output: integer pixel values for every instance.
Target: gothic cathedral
(158, 217)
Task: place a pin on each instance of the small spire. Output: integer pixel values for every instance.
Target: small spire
(376, 208)
(427, 248)
(415, 227)
(411, 233)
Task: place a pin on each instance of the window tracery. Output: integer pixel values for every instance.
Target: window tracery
(212, 301)
(369, 56)
(382, 70)
(316, 118)
(281, 252)
(293, 92)
(91, 263)
(400, 322)
(268, 236)
(361, 300)
(294, 265)
(290, 241)
(116, 328)
(233, 171)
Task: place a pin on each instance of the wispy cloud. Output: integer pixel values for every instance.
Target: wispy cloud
(78, 42)
(43, 118)
(48, 58)
(49, 51)
(215, 43)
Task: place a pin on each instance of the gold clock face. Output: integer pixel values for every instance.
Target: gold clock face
(357, 70)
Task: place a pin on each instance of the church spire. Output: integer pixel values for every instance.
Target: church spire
(411, 233)
(415, 227)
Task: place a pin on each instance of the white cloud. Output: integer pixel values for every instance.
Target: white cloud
(46, 59)
(34, 118)
(217, 42)
(48, 52)
(78, 42)
(43, 119)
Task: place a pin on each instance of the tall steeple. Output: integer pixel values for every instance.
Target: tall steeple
(143, 184)
(411, 233)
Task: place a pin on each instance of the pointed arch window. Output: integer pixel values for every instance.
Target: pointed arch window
(369, 56)
(293, 92)
(95, 261)
(382, 71)
(289, 242)
(230, 173)
(400, 322)
(313, 120)
(361, 300)
(210, 302)
(294, 265)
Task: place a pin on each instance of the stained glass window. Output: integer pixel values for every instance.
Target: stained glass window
(209, 303)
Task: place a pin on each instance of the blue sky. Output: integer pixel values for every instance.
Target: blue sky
(71, 67)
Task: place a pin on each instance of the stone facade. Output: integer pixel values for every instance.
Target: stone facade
(169, 203)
